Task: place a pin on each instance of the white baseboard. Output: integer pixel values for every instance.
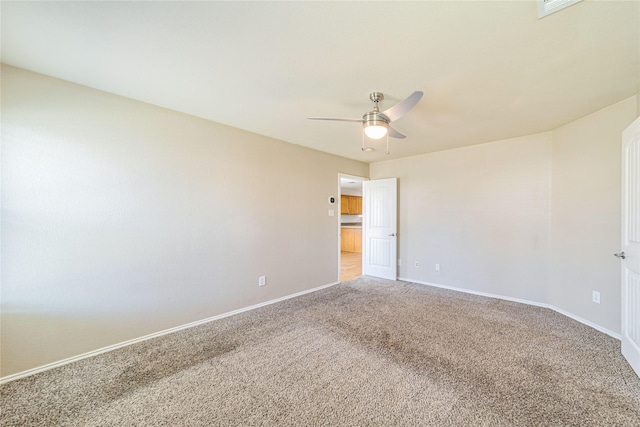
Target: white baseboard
(154, 335)
(253, 307)
(522, 301)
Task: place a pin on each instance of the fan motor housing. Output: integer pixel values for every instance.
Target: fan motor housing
(374, 118)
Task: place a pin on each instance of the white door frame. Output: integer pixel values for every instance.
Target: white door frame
(339, 215)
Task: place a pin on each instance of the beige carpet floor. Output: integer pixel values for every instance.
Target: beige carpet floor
(363, 353)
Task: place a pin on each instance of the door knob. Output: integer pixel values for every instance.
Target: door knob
(620, 255)
(392, 234)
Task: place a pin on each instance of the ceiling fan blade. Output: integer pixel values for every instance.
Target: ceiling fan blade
(402, 107)
(335, 119)
(395, 134)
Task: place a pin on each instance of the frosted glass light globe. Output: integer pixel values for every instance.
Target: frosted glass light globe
(375, 131)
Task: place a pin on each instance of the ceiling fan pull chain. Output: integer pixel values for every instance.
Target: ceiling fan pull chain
(387, 143)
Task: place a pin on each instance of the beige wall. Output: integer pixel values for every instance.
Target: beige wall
(585, 220)
(121, 219)
(481, 212)
(535, 218)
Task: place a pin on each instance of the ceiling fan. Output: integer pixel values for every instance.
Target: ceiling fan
(376, 124)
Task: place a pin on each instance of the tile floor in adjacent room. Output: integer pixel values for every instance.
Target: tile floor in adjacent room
(350, 265)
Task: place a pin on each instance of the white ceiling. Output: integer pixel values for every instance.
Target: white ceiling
(488, 70)
(350, 184)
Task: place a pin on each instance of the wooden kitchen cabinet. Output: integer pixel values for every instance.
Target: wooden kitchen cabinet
(357, 240)
(351, 239)
(344, 205)
(351, 205)
(346, 240)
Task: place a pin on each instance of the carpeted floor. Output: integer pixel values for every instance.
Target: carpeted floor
(363, 353)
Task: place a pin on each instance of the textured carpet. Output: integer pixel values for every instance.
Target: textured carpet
(365, 352)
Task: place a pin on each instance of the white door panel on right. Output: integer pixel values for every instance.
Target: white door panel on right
(630, 256)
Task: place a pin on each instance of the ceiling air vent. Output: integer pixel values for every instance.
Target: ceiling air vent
(547, 7)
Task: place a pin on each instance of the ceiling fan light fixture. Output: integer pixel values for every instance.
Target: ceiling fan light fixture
(375, 124)
(375, 131)
(375, 127)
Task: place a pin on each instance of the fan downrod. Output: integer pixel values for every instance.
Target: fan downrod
(374, 118)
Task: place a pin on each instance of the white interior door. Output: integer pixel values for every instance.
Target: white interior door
(379, 228)
(630, 256)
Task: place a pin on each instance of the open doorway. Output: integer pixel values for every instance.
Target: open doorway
(350, 227)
